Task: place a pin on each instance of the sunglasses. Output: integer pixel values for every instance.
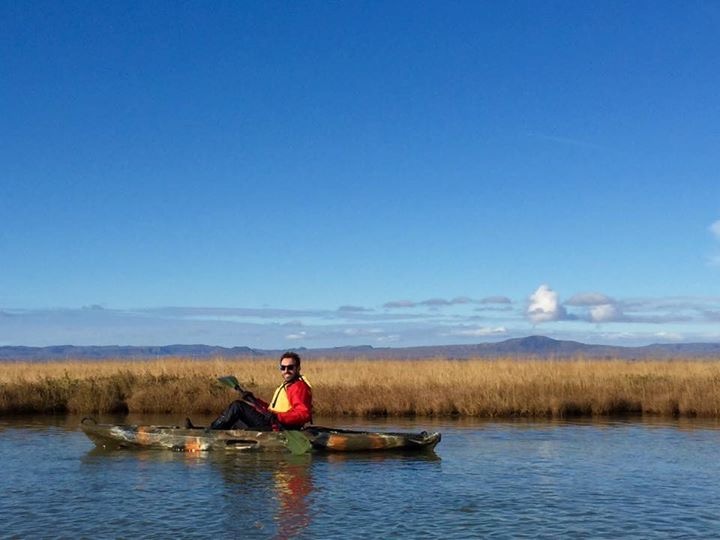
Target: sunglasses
(289, 367)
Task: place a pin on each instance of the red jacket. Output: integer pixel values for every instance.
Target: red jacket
(299, 396)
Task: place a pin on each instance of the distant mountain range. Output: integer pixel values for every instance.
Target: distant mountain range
(527, 347)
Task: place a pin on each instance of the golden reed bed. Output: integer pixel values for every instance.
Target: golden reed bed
(481, 388)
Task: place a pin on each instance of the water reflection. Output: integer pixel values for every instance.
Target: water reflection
(266, 492)
(601, 479)
(268, 495)
(293, 486)
(263, 494)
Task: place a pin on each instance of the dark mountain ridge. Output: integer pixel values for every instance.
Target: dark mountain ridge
(527, 347)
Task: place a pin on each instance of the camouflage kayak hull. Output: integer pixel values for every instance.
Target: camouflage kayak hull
(198, 439)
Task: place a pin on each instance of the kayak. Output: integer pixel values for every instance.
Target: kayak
(320, 439)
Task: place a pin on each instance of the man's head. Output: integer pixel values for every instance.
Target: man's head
(290, 365)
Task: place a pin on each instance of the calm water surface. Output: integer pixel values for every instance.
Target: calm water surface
(486, 479)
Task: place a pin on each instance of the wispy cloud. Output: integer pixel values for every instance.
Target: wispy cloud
(432, 323)
(436, 302)
(589, 299)
(363, 331)
(491, 308)
(479, 331)
(354, 309)
(495, 300)
(442, 302)
(234, 313)
(400, 304)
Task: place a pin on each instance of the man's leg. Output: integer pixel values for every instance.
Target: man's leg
(240, 415)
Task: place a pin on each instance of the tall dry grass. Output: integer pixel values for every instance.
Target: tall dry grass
(481, 388)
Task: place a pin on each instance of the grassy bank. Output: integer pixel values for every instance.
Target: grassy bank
(479, 388)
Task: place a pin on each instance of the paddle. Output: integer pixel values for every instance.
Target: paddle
(296, 441)
(231, 381)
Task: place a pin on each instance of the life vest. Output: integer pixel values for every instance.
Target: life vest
(280, 402)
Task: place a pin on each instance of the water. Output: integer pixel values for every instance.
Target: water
(487, 479)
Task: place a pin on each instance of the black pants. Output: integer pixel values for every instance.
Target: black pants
(240, 415)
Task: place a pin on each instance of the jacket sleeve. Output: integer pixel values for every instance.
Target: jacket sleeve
(300, 412)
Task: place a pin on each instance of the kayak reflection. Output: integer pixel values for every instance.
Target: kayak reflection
(236, 494)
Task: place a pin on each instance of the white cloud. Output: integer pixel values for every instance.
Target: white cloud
(362, 331)
(715, 229)
(605, 313)
(670, 336)
(544, 306)
(296, 335)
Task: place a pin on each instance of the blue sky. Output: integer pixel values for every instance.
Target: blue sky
(323, 174)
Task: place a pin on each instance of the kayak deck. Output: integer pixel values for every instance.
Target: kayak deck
(322, 439)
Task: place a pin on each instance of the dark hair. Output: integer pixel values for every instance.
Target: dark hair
(295, 356)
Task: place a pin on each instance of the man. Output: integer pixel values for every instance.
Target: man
(290, 407)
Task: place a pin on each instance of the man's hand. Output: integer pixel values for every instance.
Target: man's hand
(244, 394)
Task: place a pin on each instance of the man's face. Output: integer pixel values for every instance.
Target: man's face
(288, 369)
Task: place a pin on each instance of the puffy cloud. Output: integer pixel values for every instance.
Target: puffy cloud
(605, 313)
(544, 306)
(600, 307)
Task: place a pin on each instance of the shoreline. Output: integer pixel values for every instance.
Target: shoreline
(476, 388)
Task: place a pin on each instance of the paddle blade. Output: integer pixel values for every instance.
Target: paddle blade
(297, 442)
(230, 381)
